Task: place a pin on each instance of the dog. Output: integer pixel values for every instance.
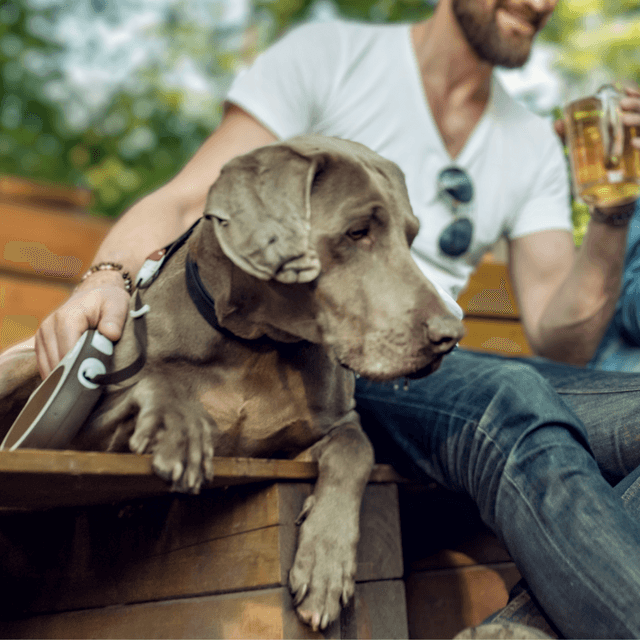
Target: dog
(303, 277)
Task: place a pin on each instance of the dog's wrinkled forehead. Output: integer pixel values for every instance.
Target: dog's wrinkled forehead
(351, 153)
(261, 203)
(366, 173)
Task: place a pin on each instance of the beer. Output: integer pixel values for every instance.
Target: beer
(605, 166)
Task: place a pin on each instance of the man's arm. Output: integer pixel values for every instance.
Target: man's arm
(567, 296)
(153, 222)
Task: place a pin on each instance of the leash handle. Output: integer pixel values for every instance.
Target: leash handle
(140, 331)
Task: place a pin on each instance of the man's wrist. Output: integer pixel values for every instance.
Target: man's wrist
(618, 216)
(115, 273)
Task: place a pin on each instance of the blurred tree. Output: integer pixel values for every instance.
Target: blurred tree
(282, 14)
(597, 41)
(145, 131)
(33, 139)
(137, 138)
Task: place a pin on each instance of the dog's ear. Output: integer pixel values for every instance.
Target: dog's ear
(260, 206)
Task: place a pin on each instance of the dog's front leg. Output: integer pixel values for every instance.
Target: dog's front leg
(157, 415)
(323, 573)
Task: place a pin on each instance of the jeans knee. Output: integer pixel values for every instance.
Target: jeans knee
(524, 418)
(516, 390)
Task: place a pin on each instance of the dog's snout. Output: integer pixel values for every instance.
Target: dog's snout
(444, 332)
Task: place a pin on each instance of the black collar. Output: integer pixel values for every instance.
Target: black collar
(198, 293)
(202, 298)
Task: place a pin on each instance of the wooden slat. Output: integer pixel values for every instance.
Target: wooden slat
(254, 614)
(440, 604)
(178, 546)
(377, 611)
(41, 479)
(500, 336)
(13, 188)
(48, 243)
(489, 292)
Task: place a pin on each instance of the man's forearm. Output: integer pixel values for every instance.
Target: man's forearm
(576, 317)
(150, 224)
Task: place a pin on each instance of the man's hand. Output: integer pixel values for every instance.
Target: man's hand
(630, 106)
(99, 302)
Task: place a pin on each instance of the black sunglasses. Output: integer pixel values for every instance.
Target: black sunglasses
(456, 187)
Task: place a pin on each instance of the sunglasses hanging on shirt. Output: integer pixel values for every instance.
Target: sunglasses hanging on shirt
(455, 186)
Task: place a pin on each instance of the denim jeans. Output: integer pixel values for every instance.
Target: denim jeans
(551, 456)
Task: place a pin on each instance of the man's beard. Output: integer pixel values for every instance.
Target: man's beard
(485, 38)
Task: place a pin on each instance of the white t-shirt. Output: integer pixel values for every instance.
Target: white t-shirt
(362, 82)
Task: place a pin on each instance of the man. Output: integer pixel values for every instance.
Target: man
(477, 166)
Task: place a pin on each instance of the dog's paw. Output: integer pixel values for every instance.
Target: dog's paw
(181, 440)
(322, 579)
(178, 433)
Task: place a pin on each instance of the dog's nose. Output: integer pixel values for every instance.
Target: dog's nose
(444, 332)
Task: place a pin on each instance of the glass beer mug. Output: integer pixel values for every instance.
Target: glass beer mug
(605, 166)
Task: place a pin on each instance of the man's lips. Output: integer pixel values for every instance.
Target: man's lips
(518, 22)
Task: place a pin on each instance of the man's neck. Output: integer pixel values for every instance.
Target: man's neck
(456, 82)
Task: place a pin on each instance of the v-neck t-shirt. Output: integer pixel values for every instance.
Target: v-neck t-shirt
(362, 82)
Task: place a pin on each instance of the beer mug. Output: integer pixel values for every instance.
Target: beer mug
(605, 167)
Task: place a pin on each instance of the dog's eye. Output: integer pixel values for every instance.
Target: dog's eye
(358, 233)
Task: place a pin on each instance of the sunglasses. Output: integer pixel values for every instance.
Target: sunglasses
(455, 186)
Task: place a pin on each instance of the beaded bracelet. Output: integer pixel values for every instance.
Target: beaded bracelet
(110, 266)
(621, 218)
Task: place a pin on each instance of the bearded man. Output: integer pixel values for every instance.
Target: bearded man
(549, 452)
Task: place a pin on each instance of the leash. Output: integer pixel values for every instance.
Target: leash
(198, 293)
(140, 332)
(62, 402)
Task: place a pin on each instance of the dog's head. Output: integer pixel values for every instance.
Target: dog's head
(323, 228)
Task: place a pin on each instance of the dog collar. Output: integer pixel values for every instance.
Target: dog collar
(202, 299)
(198, 293)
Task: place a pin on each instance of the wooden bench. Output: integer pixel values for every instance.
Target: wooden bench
(492, 318)
(94, 545)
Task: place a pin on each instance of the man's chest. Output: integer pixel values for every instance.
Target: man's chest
(455, 123)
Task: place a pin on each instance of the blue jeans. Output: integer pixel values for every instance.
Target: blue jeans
(551, 456)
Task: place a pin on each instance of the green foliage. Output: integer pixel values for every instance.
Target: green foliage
(597, 37)
(285, 13)
(137, 141)
(149, 129)
(32, 140)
